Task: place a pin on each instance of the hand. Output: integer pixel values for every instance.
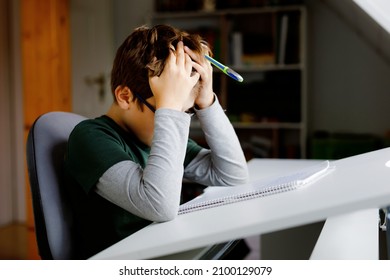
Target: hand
(204, 88)
(173, 88)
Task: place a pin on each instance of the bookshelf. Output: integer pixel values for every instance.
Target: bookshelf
(266, 44)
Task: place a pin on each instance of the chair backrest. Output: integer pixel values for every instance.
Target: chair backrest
(46, 144)
(388, 231)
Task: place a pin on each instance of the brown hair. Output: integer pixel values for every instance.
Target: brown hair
(144, 53)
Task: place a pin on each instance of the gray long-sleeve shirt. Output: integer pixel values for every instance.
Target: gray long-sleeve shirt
(153, 193)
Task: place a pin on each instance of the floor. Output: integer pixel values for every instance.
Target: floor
(13, 242)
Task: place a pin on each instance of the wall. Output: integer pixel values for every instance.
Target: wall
(12, 180)
(92, 56)
(348, 79)
(5, 141)
(129, 15)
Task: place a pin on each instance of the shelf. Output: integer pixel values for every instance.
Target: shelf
(259, 125)
(225, 12)
(267, 46)
(270, 67)
(267, 125)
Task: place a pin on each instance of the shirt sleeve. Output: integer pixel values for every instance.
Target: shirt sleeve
(153, 192)
(224, 163)
(91, 151)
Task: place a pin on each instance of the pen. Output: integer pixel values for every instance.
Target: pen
(230, 72)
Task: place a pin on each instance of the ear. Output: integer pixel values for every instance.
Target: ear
(123, 97)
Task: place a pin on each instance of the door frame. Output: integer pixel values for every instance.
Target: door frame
(13, 158)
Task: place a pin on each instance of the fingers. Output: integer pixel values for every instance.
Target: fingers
(179, 63)
(195, 78)
(183, 59)
(180, 56)
(198, 68)
(199, 63)
(199, 58)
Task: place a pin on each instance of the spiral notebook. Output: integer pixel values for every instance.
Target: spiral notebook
(219, 195)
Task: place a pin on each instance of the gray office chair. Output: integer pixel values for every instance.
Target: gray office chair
(46, 145)
(388, 231)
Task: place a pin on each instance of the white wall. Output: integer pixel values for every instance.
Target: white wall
(5, 140)
(91, 28)
(349, 85)
(12, 181)
(97, 30)
(129, 15)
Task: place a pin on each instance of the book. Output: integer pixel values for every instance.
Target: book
(258, 59)
(236, 49)
(217, 195)
(283, 39)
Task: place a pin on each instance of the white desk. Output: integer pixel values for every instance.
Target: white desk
(352, 236)
(359, 182)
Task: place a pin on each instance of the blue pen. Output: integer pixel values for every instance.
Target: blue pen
(230, 72)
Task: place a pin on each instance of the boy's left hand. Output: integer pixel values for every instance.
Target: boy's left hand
(204, 88)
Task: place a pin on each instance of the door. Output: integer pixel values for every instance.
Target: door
(92, 56)
(45, 64)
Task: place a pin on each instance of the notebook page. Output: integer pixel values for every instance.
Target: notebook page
(220, 195)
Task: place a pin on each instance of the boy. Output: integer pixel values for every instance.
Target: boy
(125, 169)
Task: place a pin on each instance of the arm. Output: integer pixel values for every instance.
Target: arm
(152, 193)
(224, 163)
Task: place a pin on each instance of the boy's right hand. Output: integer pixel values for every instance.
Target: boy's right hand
(173, 88)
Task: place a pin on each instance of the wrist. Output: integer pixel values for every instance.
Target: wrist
(169, 105)
(205, 102)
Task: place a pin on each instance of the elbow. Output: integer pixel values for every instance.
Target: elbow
(243, 180)
(239, 178)
(243, 176)
(167, 218)
(165, 215)
(237, 181)
(162, 205)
